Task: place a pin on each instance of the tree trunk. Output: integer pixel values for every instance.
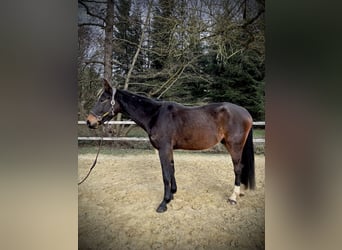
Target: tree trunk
(108, 47)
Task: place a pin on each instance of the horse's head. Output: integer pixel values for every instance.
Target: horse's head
(105, 108)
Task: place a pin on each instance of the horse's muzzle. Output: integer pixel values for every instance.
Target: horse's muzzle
(92, 122)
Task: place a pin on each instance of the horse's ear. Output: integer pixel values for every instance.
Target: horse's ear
(107, 86)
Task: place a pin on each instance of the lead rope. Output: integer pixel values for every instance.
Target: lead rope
(94, 163)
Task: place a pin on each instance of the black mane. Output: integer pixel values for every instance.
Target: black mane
(139, 98)
(140, 109)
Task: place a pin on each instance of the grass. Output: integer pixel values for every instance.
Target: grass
(137, 132)
(258, 133)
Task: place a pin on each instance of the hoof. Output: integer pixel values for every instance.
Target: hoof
(232, 202)
(161, 209)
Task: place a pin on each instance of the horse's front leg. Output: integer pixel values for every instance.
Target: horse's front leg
(166, 160)
(173, 179)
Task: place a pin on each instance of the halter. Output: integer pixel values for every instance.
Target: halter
(112, 103)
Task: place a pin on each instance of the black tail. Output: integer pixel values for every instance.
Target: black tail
(248, 173)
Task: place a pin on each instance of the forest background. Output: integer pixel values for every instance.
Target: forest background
(189, 51)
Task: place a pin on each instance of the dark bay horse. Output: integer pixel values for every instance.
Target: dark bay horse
(172, 126)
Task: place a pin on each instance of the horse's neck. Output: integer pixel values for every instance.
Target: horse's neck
(139, 109)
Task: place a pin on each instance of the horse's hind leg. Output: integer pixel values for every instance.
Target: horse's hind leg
(235, 150)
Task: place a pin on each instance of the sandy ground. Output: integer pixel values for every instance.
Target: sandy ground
(117, 204)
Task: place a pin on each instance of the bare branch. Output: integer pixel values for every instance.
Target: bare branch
(89, 12)
(137, 45)
(94, 62)
(136, 53)
(91, 1)
(142, 37)
(91, 24)
(174, 81)
(101, 62)
(250, 21)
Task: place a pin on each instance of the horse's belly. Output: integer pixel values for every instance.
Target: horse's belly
(196, 143)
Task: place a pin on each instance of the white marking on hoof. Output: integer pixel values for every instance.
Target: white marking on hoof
(232, 202)
(236, 193)
(237, 189)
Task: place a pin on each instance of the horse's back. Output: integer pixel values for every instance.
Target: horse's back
(212, 115)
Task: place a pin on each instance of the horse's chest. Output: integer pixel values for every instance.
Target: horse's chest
(161, 135)
(158, 139)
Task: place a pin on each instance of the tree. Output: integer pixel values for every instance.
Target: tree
(236, 60)
(126, 37)
(162, 32)
(189, 51)
(100, 14)
(94, 17)
(108, 47)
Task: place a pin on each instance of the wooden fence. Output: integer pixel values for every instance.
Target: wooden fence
(92, 138)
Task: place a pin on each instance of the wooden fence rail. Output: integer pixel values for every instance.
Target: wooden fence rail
(92, 138)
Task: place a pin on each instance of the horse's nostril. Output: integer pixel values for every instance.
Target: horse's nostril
(88, 123)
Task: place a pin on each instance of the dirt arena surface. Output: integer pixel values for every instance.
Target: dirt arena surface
(117, 203)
